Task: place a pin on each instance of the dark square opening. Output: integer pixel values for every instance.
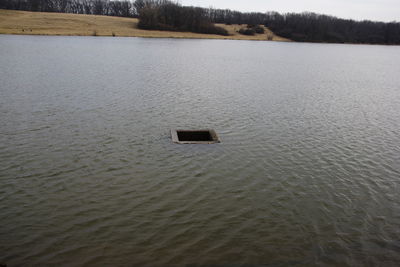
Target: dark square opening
(204, 136)
(196, 136)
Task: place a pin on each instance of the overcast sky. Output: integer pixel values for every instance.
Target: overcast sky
(382, 10)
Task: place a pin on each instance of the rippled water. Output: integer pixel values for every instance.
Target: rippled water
(308, 171)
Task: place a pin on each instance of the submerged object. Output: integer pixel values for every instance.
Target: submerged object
(207, 136)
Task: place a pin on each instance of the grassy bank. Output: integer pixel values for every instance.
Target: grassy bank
(42, 23)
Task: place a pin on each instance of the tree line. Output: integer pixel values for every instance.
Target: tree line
(122, 8)
(311, 27)
(169, 15)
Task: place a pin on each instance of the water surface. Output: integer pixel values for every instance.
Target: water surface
(308, 171)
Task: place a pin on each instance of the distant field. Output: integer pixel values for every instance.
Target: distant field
(43, 23)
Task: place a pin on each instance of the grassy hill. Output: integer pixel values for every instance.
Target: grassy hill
(43, 23)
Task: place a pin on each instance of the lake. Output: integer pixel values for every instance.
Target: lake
(307, 172)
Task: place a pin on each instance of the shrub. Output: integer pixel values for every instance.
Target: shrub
(214, 30)
(247, 31)
(259, 29)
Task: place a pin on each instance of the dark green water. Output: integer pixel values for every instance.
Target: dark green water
(308, 171)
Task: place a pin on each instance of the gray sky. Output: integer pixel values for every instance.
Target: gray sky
(382, 10)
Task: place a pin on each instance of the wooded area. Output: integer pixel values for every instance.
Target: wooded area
(169, 15)
(93, 7)
(311, 27)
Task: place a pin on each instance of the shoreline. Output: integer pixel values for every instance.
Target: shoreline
(64, 24)
(155, 37)
(16, 22)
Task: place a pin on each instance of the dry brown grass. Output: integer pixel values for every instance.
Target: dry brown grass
(234, 28)
(43, 23)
